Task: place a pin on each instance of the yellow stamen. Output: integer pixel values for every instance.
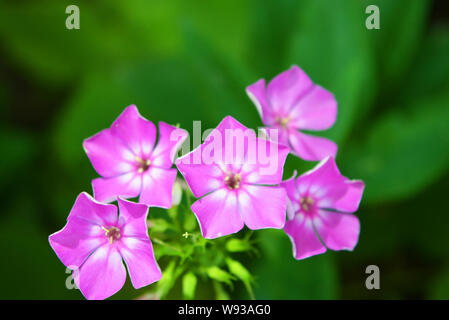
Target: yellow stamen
(233, 180)
(143, 164)
(283, 121)
(113, 233)
(306, 203)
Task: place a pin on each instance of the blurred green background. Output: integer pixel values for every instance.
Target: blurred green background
(180, 61)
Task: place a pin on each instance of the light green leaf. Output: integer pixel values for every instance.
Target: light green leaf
(218, 274)
(220, 292)
(238, 245)
(237, 269)
(189, 281)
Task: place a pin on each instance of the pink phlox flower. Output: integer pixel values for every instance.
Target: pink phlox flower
(130, 164)
(320, 210)
(236, 176)
(292, 102)
(95, 240)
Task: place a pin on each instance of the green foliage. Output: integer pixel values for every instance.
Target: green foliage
(402, 24)
(388, 158)
(189, 282)
(237, 245)
(237, 269)
(283, 277)
(333, 49)
(20, 153)
(440, 289)
(218, 274)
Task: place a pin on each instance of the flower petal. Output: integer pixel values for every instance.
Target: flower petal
(277, 134)
(317, 110)
(102, 275)
(133, 218)
(262, 206)
(335, 190)
(127, 185)
(267, 166)
(218, 214)
(287, 88)
(139, 258)
(351, 200)
(108, 155)
(311, 148)
(201, 178)
(76, 241)
(303, 237)
(170, 139)
(290, 187)
(257, 93)
(136, 132)
(157, 187)
(339, 231)
(87, 208)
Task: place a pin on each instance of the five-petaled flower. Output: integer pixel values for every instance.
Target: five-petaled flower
(320, 210)
(130, 164)
(233, 185)
(290, 102)
(95, 240)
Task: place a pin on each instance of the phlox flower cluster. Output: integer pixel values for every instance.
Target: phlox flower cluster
(236, 176)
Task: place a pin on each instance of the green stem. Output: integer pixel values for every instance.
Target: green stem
(159, 241)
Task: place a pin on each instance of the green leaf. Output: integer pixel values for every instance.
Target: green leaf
(330, 43)
(402, 24)
(215, 273)
(108, 34)
(103, 97)
(169, 277)
(31, 268)
(189, 281)
(238, 245)
(224, 24)
(279, 276)
(271, 33)
(237, 269)
(19, 150)
(403, 152)
(159, 225)
(220, 292)
(430, 72)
